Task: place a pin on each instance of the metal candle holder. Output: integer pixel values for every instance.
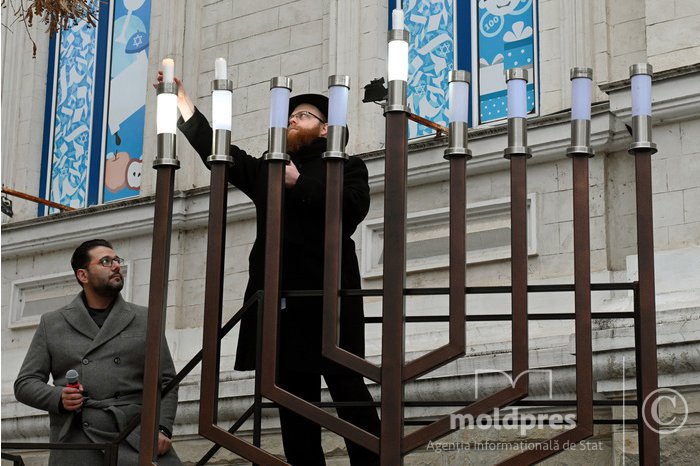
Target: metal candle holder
(396, 98)
(166, 147)
(221, 140)
(458, 139)
(337, 135)
(517, 126)
(277, 137)
(641, 124)
(580, 128)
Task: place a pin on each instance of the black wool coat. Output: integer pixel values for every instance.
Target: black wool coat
(302, 250)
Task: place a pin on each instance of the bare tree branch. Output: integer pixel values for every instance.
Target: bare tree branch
(56, 14)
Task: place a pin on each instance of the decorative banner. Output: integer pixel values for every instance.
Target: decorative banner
(431, 57)
(72, 119)
(127, 100)
(506, 38)
(87, 65)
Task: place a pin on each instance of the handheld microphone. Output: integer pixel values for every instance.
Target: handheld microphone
(72, 379)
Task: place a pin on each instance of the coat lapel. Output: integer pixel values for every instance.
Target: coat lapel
(119, 317)
(76, 314)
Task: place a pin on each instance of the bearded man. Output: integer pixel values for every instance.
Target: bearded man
(103, 338)
(301, 364)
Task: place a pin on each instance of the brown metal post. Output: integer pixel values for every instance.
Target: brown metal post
(647, 363)
(211, 346)
(457, 268)
(332, 274)
(272, 280)
(582, 296)
(157, 302)
(393, 326)
(519, 298)
(647, 372)
(518, 152)
(213, 297)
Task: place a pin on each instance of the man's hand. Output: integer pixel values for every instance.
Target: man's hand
(291, 174)
(72, 398)
(184, 103)
(164, 444)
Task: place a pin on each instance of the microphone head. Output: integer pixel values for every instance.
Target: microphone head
(72, 376)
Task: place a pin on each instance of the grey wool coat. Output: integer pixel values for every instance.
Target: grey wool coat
(110, 361)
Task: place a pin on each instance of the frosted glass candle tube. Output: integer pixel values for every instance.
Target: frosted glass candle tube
(581, 96)
(398, 60)
(166, 113)
(641, 95)
(338, 105)
(517, 98)
(279, 107)
(459, 101)
(221, 109)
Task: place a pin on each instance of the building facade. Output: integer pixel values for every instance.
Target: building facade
(73, 133)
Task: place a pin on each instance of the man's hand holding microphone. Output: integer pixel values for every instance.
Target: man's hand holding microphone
(72, 395)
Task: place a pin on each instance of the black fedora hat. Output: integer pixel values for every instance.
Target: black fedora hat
(319, 101)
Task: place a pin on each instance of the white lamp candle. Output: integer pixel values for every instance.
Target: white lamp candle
(641, 89)
(168, 70)
(581, 93)
(279, 106)
(458, 95)
(220, 69)
(166, 111)
(221, 111)
(338, 105)
(517, 93)
(397, 18)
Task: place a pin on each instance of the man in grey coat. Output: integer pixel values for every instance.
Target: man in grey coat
(102, 337)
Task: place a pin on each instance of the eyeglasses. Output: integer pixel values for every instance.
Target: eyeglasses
(109, 261)
(303, 115)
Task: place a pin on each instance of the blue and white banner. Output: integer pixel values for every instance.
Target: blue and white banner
(431, 57)
(506, 38)
(95, 113)
(128, 85)
(71, 126)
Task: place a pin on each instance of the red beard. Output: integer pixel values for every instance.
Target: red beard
(301, 137)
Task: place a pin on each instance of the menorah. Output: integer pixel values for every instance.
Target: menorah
(394, 372)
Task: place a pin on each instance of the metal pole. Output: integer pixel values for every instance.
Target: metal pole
(582, 294)
(648, 373)
(219, 161)
(393, 327)
(518, 152)
(165, 163)
(642, 148)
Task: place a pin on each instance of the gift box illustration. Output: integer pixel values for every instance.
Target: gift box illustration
(492, 89)
(518, 47)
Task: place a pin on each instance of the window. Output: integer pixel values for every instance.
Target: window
(95, 107)
(485, 37)
(32, 297)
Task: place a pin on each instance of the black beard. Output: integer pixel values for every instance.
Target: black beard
(111, 289)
